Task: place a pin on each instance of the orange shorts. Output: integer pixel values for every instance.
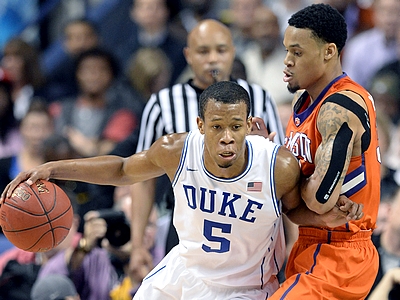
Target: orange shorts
(329, 265)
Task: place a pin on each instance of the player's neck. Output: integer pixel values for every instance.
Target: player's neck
(321, 84)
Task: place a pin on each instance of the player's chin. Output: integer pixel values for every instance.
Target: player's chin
(293, 88)
(226, 162)
(225, 165)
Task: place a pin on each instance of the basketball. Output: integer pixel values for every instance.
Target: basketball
(36, 218)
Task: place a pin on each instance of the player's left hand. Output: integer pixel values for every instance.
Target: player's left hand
(259, 128)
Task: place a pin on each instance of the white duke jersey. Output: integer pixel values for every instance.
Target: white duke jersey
(230, 230)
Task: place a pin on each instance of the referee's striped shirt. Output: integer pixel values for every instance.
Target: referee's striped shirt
(175, 109)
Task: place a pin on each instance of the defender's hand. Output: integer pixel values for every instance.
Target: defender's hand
(344, 211)
(353, 210)
(259, 128)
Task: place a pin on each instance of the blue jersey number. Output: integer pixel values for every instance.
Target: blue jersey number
(208, 233)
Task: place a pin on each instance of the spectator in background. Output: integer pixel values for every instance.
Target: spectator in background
(150, 29)
(35, 127)
(385, 85)
(14, 16)
(285, 8)
(389, 286)
(368, 51)
(149, 71)
(388, 243)
(83, 261)
(10, 137)
(79, 35)
(154, 241)
(385, 88)
(105, 111)
(389, 186)
(21, 62)
(54, 287)
(192, 12)
(393, 157)
(358, 16)
(240, 20)
(264, 60)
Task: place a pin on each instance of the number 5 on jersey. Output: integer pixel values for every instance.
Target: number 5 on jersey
(224, 244)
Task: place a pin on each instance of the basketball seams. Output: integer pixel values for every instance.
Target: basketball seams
(44, 234)
(35, 215)
(22, 210)
(46, 213)
(54, 222)
(55, 196)
(37, 226)
(34, 227)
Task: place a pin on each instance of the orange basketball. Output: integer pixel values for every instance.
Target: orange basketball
(36, 218)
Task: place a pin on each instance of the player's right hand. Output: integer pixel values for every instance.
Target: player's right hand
(31, 176)
(344, 211)
(140, 264)
(353, 210)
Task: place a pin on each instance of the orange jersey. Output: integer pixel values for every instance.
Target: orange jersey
(362, 180)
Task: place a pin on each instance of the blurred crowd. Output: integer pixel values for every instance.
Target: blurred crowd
(90, 102)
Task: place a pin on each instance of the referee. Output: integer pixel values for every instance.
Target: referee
(210, 54)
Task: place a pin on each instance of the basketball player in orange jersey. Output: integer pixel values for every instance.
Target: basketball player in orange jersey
(332, 132)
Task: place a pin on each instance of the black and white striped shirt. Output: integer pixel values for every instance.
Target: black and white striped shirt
(175, 109)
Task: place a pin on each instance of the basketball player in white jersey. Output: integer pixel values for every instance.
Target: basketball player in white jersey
(230, 188)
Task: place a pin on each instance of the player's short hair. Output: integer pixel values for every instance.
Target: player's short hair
(325, 22)
(226, 92)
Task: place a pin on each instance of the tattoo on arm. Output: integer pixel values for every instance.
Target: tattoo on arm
(335, 150)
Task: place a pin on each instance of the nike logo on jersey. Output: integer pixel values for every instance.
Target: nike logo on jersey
(191, 170)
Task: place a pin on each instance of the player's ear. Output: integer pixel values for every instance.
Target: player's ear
(330, 51)
(186, 53)
(200, 125)
(249, 124)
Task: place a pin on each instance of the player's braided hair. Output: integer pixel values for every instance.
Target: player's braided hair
(325, 22)
(225, 92)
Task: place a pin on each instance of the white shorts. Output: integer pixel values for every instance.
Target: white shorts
(171, 280)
